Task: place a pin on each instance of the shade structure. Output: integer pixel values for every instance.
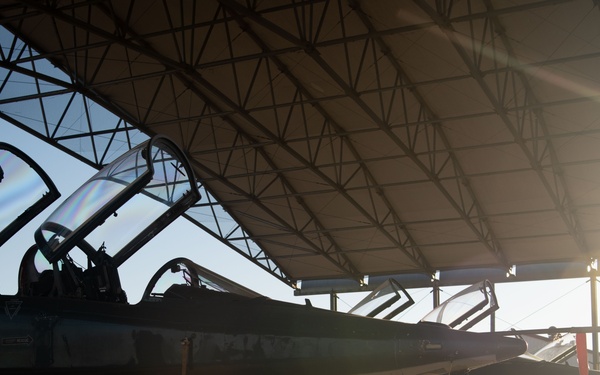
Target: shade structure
(337, 139)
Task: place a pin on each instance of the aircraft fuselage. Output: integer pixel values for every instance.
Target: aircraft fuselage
(223, 333)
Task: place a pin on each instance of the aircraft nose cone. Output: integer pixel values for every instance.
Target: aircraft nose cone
(509, 348)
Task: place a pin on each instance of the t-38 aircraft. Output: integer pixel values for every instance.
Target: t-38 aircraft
(72, 316)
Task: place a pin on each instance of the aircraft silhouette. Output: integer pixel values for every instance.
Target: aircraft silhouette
(73, 316)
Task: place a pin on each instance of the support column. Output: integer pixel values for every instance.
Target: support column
(436, 294)
(493, 315)
(333, 301)
(594, 299)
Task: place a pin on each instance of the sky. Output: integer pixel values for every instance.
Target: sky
(523, 305)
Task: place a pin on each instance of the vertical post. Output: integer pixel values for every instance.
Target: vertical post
(185, 355)
(333, 301)
(594, 297)
(493, 315)
(436, 294)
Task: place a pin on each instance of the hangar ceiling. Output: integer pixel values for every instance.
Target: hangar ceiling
(337, 139)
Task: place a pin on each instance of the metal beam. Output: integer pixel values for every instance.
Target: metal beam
(415, 255)
(556, 189)
(482, 230)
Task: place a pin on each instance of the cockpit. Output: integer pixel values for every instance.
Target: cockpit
(106, 221)
(168, 281)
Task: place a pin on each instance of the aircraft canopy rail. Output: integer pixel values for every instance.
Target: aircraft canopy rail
(182, 271)
(385, 302)
(25, 190)
(466, 308)
(157, 169)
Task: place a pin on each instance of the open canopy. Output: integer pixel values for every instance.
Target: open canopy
(133, 199)
(25, 190)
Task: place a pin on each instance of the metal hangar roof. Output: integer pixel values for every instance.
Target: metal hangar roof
(337, 139)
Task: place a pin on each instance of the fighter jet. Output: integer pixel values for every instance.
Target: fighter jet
(73, 315)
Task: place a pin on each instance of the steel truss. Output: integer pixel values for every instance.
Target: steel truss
(257, 130)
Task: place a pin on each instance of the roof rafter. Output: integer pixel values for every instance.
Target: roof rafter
(482, 230)
(415, 255)
(556, 188)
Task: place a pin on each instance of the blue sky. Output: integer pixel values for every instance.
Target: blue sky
(562, 303)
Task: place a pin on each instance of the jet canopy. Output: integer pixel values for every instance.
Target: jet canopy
(182, 271)
(25, 190)
(123, 206)
(466, 308)
(462, 311)
(385, 302)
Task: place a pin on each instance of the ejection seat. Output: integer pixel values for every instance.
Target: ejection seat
(99, 282)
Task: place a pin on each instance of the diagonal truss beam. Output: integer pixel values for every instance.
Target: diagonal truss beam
(404, 241)
(55, 131)
(533, 118)
(556, 186)
(191, 79)
(464, 202)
